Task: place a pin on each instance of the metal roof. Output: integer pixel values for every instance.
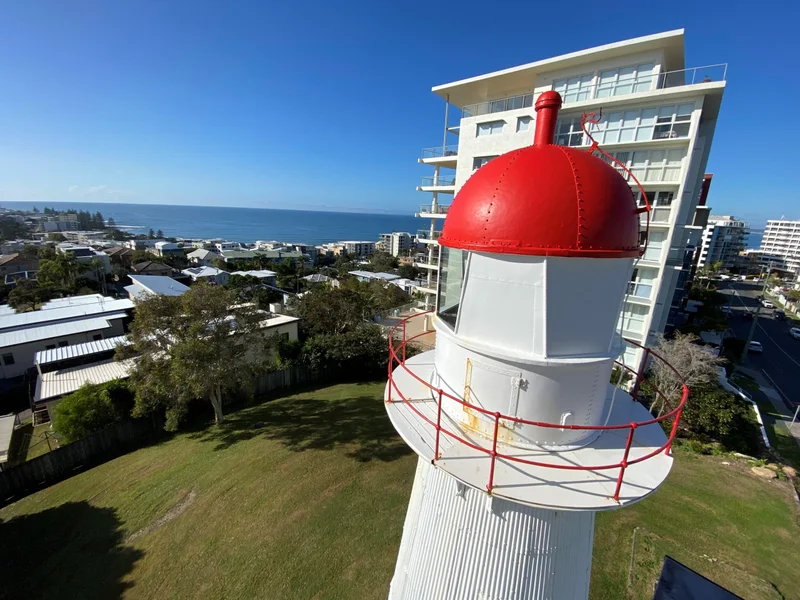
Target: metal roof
(46, 332)
(75, 301)
(41, 317)
(159, 284)
(45, 357)
(371, 275)
(65, 381)
(260, 273)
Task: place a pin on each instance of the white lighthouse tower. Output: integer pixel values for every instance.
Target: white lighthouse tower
(520, 435)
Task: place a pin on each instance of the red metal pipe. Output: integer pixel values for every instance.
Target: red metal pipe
(438, 426)
(494, 452)
(547, 106)
(624, 462)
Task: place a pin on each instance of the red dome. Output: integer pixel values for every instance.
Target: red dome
(545, 200)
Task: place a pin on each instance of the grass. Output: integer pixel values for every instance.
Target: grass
(30, 442)
(305, 496)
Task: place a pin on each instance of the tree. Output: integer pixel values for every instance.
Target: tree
(713, 412)
(117, 235)
(159, 234)
(697, 364)
(12, 230)
(201, 345)
(361, 351)
(56, 237)
(30, 250)
(382, 262)
(141, 256)
(5, 290)
(29, 294)
(111, 223)
(793, 295)
(408, 271)
(92, 408)
(151, 234)
(333, 311)
(61, 272)
(35, 210)
(47, 252)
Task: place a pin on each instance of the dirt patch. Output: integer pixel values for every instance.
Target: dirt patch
(173, 513)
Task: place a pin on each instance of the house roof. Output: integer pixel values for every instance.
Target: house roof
(155, 284)
(317, 278)
(150, 265)
(371, 275)
(195, 272)
(239, 254)
(10, 259)
(203, 254)
(118, 251)
(66, 313)
(45, 357)
(260, 273)
(46, 332)
(65, 381)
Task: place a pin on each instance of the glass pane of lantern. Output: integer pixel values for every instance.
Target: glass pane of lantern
(451, 278)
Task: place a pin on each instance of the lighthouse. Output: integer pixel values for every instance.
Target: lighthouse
(520, 433)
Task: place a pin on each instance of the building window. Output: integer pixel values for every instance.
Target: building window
(8, 359)
(641, 284)
(285, 337)
(479, 161)
(637, 125)
(632, 318)
(625, 80)
(524, 124)
(574, 89)
(451, 278)
(650, 165)
(97, 337)
(491, 128)
(569, 132)
(655, 244)
(673, 122)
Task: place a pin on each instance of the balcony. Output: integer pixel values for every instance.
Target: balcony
(619, 87)
(433, 211)
(426, 262)
(427, 236)
(443, 156)
(446, 185)
(424, 285)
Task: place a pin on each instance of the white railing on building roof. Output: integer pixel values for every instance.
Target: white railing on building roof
(437, 181)
(430, 209)
(426, 234)
(440, 151)
(633, 85)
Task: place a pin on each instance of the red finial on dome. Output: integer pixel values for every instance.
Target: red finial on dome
(545, 200)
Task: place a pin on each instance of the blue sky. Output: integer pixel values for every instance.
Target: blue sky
(327, 105)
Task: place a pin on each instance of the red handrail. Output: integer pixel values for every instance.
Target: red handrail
(622, 465)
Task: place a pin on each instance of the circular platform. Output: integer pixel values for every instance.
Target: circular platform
(564, 481)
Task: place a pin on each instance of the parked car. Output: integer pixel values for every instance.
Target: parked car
(755, 347)
(747, 314)
(779, 315)
(767, 303)
(795, 332)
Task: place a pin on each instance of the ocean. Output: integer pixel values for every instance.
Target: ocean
(241, 224)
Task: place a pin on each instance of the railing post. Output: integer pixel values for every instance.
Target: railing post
(391, 361)
(404, 340)
(494, 452)
(438, 427)
(640, 375)
(624, 463)
(694, 74)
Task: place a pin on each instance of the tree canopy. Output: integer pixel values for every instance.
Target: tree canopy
(204, 344)
(92, 408)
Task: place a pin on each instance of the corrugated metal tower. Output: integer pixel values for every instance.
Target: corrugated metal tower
(520, 435)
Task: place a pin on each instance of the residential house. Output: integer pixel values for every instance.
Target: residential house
(17, 266)
(154, 285)
(202, 257)
(264, 276)
(96, 260)
(150, 267)
(167, 249)
(207, 274)
(120, 255)
(370, 276)
(145, 244)
(59, 323)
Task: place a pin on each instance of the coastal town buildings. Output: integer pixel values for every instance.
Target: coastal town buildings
(95, 260)
(658, 119)
(154, 285)
(724, 239)
(151, 267)
(781, 245)
(207, 274)
(12, 265)
(397, 243)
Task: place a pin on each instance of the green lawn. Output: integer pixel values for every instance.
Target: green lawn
(29, 442)
(304, 497)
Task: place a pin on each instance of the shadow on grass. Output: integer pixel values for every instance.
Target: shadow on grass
(360, 423)
(72, 551)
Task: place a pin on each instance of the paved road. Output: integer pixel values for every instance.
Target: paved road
(781, 356)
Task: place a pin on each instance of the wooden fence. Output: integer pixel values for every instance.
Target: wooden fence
(66, 461)
(291, 377)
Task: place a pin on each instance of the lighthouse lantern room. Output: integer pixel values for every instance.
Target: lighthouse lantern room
(521, 436)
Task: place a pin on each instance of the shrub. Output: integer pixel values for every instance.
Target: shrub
(713, 413)
(92, 408)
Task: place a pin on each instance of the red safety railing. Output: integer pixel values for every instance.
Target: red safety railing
(674, 413)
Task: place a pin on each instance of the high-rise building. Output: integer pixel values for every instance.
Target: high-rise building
(724, 238)
(396, 243)
(658, 119)
(782, 239)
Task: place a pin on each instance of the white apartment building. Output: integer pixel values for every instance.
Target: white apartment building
(396, 243)
(358, 248)
(724, 238)
(782, 238)
(658, 118)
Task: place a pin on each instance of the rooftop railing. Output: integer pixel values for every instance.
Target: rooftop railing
(424, 259)
(440, 151)
(397, 356)
(438, 209)
(618, 87)
(437, 181)
(427, 234)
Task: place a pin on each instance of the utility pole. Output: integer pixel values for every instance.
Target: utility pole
(755, 316)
